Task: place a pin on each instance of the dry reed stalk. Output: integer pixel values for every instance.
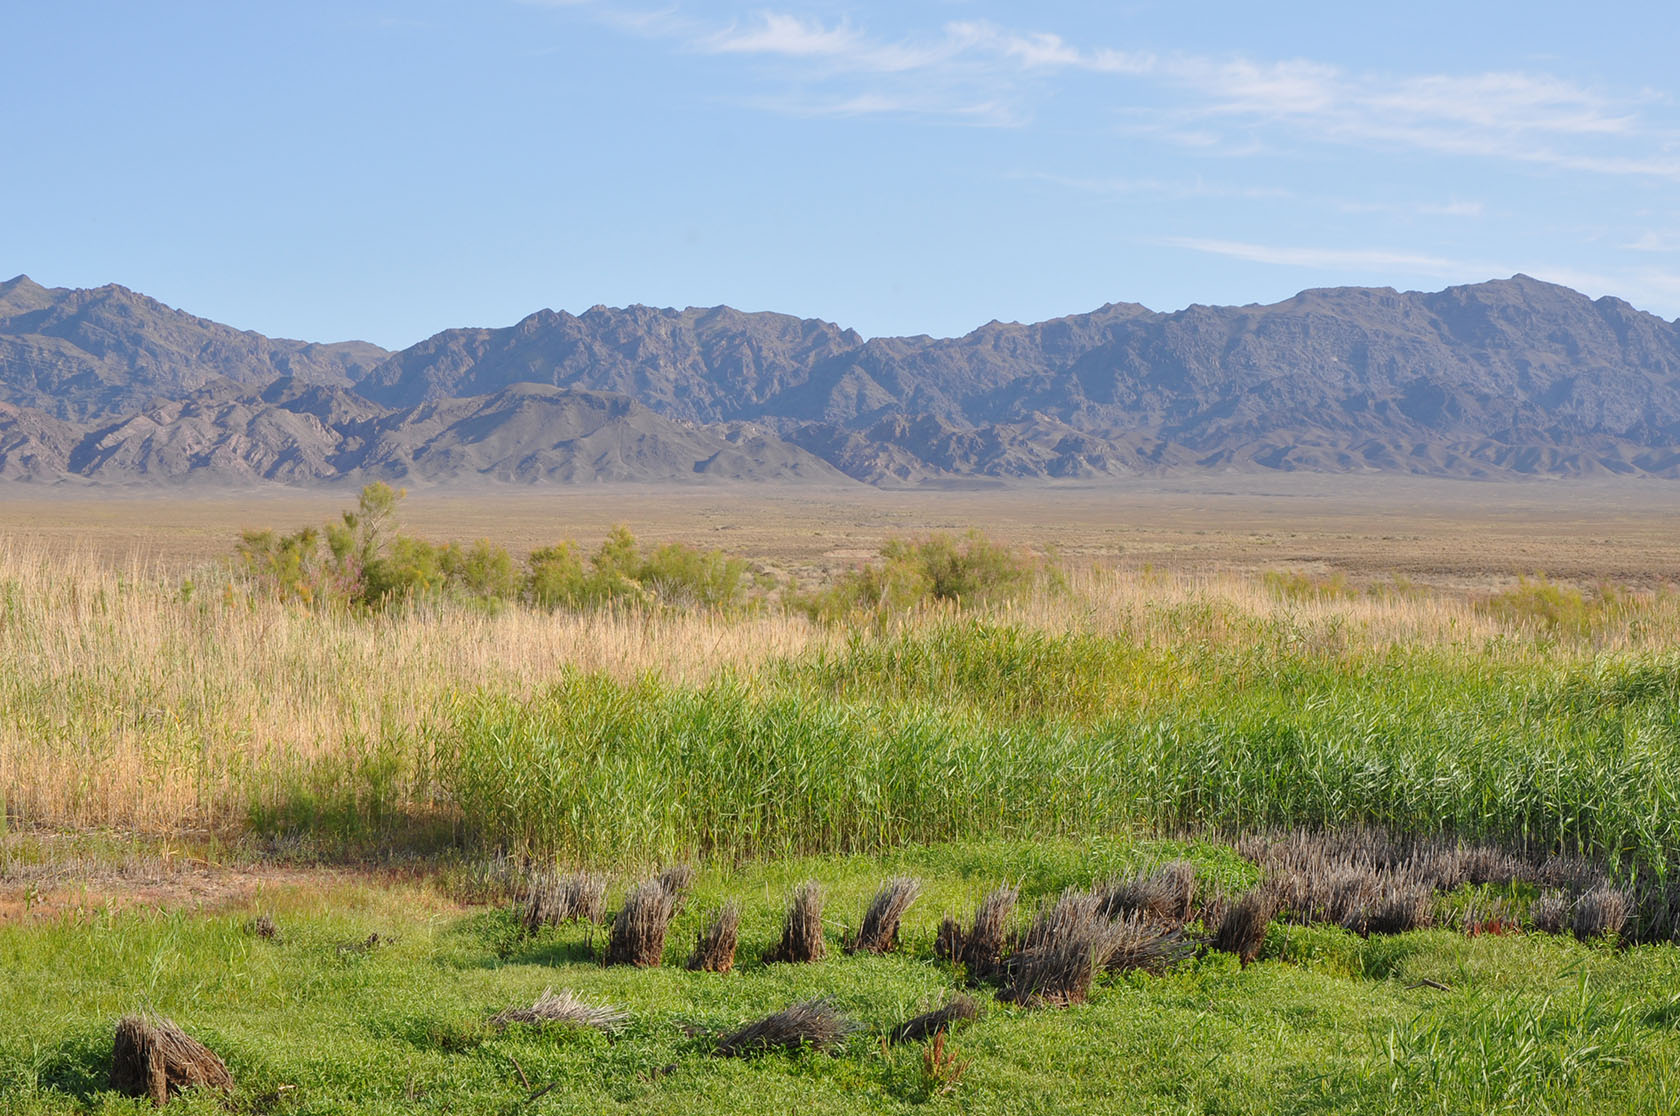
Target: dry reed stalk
(1574, 874)
(1243, 929)
(802, 931)
(152, 1057)
(714, 947)
(1370, 882)
(1394, 907)
(639, 928)
(564, 1008)
(1164, 895)
(1073, 911)
(553, 899)
(878, 932)
(1060, 970)
(962, 1009)
(1599, 913)
(948, 939)
(1068, 943)
(1550, 913)
(987, 939)
(1140, 942)
(815, 1024)
(677, 880)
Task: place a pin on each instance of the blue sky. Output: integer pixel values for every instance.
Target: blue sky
(387, 170)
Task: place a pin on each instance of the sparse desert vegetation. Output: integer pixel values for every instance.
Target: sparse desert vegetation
(955, 826)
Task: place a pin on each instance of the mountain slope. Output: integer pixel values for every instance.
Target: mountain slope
(1511, 377)
(90, 354)
(1507, 376)
(700, 365)
(531, 433)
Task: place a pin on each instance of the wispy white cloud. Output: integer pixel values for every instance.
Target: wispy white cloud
(1654, 241)
(979, 71)
(794, 36)
(1410, 263)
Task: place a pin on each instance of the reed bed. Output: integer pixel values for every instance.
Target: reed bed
(1122, 700)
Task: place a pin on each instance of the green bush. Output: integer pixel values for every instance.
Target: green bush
(482, 570)
(938, 569)
(555, 577)
(620, 572)
(1559, 609)
(362, 561)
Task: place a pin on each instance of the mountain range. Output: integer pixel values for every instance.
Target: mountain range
(1503, 378)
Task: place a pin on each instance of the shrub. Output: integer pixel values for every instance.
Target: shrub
(482, 570)
(676, 574)
(1559, 610)
(361, 560)
(939, 569)
(555, 577)
(672, 575)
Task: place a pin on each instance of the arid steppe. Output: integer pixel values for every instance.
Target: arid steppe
(1451, 533)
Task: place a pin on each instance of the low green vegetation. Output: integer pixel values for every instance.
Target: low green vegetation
(1560, 610)
(972, 730)
(363, 561)
(936, 571)
(316, 1020)
(952, 711)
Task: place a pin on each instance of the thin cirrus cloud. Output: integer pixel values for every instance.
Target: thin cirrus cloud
(1332, 258)
(976, 71)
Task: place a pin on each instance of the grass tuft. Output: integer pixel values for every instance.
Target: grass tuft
(878, 933)
(814, 1024)
(802, 930)
(639, 928)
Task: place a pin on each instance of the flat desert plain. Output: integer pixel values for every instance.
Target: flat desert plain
(1443, 533)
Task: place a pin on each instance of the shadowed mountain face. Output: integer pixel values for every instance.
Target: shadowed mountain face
(1508, 377)
(86, 354)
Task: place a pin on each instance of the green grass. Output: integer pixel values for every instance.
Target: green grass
(1325, 1022)
(977, 730)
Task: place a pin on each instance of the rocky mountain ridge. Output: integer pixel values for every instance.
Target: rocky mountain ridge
(1509, 377)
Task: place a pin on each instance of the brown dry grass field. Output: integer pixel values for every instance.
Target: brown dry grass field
(1445, 533)
(127, 710)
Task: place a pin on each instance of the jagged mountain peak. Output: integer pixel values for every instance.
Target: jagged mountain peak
(1510, 376)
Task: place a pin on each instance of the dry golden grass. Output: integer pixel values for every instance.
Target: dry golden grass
(121, 705)
(124, 705)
